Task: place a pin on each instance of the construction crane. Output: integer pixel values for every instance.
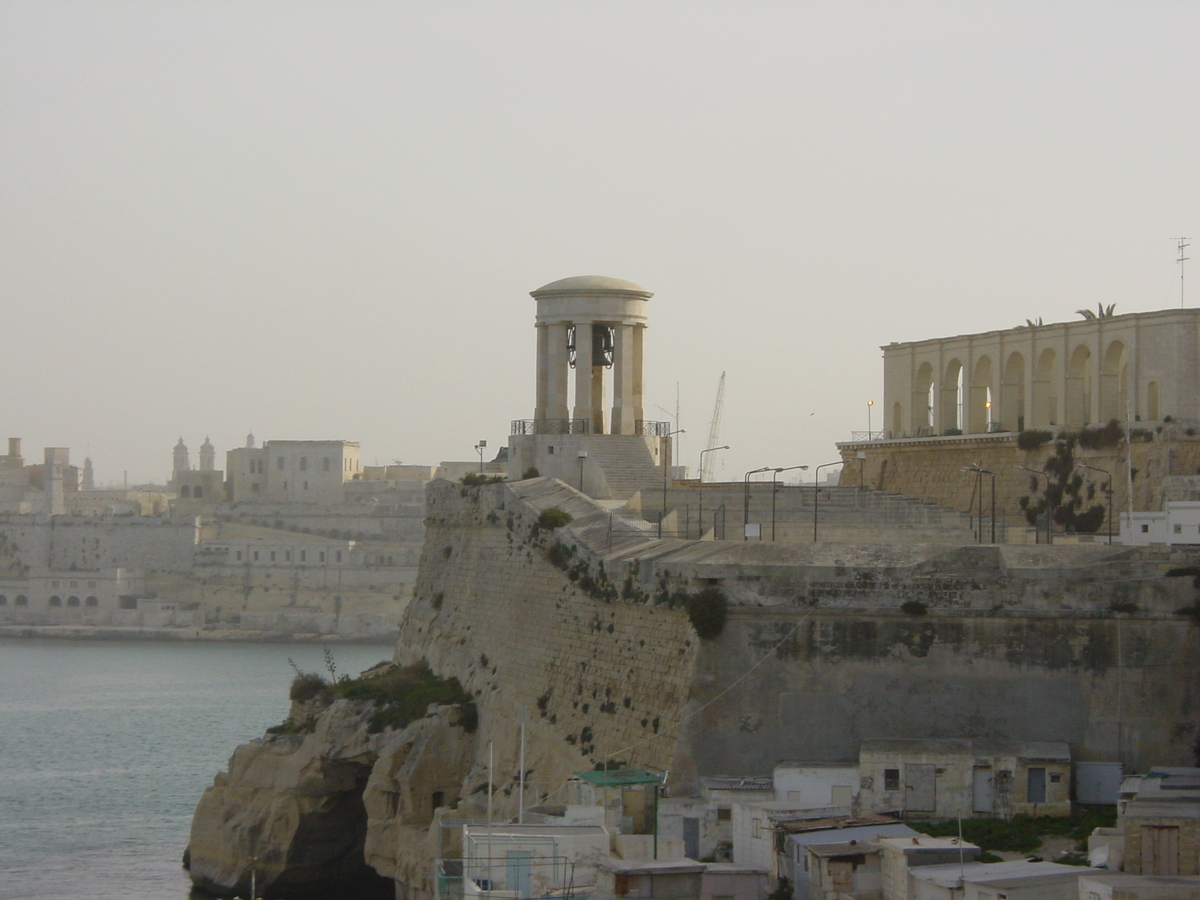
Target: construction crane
(714, 431)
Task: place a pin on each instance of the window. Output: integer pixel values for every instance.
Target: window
(303, 554)
(1145, 528)
(198, 493)
(322, 558)
(1178, 529)
(756, 825)
(306, 485)
(325, 464)
(272, 556)
(74, 584)
(339, 556)
(279, 463)
(91, 584)
(891, 779)
(54, 584)
(1056, 777)
(304, 464)
(72, 600)
(239, 556)
(91, 601)
(56, 601)
(256, 556)
(724, 814)
(22, 600)
(287, 555)
(3, 600)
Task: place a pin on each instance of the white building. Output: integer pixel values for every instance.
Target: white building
(1179, 523)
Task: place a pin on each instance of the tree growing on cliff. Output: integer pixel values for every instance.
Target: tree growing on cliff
(1062, 495)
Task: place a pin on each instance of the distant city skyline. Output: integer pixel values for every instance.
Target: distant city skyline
(323, 221)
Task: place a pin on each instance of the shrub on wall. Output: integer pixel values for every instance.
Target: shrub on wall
(553, 518)
(707, 610)
(1032, 439)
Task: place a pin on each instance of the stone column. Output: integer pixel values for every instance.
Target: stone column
(639, 411)
(543, 373)
(556, 375)
(583, 372)
(622, 410)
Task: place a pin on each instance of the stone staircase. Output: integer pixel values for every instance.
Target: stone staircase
(627, 464)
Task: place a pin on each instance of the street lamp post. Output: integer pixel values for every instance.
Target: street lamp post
(665, 457)
(817, 492)
(979, 473)
(774, 475)
(870, 403)
(746, 498)
(1049, 511)
(1107, 489)
(479, 449)
(701, 513)
(582, 457)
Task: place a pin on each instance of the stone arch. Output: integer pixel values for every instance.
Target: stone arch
(922, 408)
(91, 601)
(56, 600)
(980, 413)
(22, 600)
(185, 492)
(950, 408)
(72, 600)
(1045, 394)
(3, 600)
(1079, 387)
(1114, 390)
(1153, 412)
(1012, 394)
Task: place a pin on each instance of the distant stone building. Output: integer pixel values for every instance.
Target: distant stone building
(1039, 376)
(292, 471)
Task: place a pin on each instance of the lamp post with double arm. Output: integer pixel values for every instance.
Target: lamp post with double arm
(1108, 489)
(774, 488)
(746, 498)
(817, 492)
(666, 456)
(701, 513)
(1049, 512)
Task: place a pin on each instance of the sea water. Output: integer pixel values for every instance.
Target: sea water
(106, 747)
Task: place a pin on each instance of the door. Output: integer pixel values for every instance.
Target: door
(1036, 785)
(1160, 850)
(981, 789)
(919, 787)
(518, 876)
(841, 874)
(691, 838)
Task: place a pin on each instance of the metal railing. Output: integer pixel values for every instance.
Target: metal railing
(646, 428)
(550, 426)
(866, 435)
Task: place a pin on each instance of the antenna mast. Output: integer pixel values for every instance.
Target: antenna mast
(713, 431)
(1182, 259)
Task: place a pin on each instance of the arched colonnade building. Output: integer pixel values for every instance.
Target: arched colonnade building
(1067, 374)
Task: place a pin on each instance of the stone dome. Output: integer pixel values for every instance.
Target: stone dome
(590, 284)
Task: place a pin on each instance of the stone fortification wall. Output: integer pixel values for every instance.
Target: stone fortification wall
(90, 543)
(930, 469)
(597, 678)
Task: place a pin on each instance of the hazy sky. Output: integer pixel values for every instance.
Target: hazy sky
(322, 220)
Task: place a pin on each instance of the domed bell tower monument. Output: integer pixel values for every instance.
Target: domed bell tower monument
(590, 348)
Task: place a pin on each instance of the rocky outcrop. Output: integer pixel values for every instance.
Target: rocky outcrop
(323, 813)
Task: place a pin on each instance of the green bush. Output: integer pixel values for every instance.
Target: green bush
(402, 694)
(307, 686)
(553, 518)
(1032, 439)
(707, 610)
(473, 478)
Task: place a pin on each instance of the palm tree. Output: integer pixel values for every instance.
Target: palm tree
(1102, 311)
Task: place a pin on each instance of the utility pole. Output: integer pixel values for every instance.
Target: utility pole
(1182, 259)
